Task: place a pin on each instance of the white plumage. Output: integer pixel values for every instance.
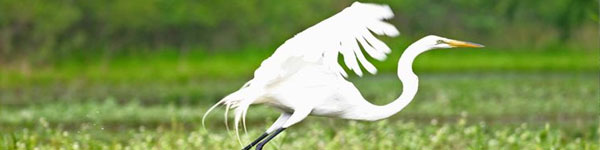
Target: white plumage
(303, 76)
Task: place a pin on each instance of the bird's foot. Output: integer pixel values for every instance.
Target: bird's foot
(260, 146)
(255, 141)
(247, 147)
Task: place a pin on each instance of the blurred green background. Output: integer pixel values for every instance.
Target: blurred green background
(140, 73)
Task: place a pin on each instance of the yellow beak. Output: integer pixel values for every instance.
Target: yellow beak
(456, 43)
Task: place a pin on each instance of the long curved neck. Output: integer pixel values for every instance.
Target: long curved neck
(410, 84)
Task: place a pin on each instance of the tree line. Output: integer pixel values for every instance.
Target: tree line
(63, 26)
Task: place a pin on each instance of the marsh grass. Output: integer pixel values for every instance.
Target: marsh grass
(322, 134)
(452, 111)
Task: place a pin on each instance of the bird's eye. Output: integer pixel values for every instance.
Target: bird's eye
(440, 42)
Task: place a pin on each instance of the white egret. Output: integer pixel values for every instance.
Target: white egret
(303, 76)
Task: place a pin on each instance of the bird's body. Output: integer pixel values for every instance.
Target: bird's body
(303, 76)
(324, 93)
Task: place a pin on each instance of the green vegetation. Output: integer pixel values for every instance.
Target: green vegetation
(499, 111)
(322, 135)
(469, 99)
(139, 75)
(171, 66)
(41, 29)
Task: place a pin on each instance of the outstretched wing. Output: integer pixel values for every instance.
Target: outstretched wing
(342, 33)
(320, 44)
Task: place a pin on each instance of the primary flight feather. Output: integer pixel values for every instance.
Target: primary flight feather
(303, 76)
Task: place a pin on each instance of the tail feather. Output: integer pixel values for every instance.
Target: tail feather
(211, 109)
(235, 101)
(238, 115)
(226, 116)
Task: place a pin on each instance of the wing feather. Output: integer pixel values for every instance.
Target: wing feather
(349, 55)
(379, 55)
(344, 33)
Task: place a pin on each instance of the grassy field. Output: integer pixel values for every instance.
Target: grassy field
(504, 102)
(514, 111)
(170, 66)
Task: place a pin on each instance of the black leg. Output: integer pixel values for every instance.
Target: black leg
(261, 144)
(256, 141)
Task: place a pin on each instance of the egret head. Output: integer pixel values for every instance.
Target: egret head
(437, 42)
